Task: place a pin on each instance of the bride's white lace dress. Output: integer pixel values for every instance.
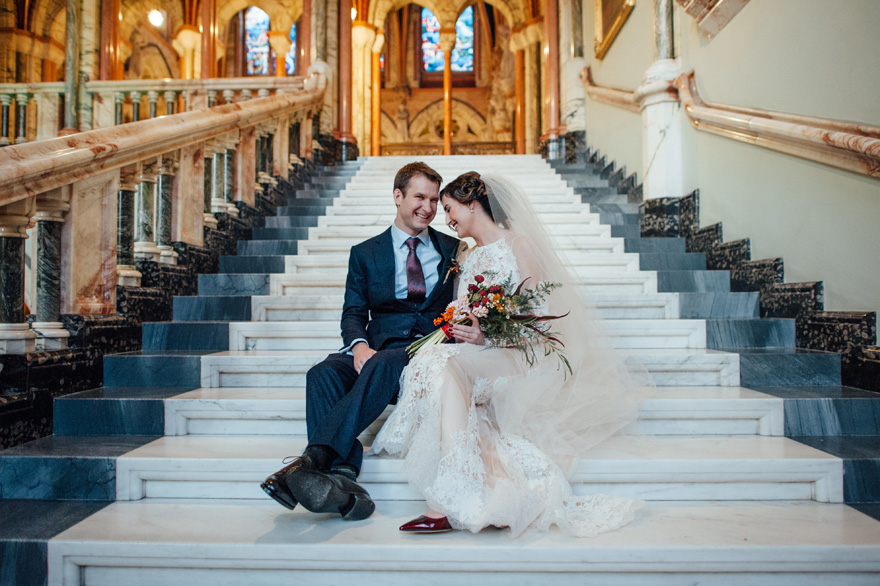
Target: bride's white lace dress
(458, 455)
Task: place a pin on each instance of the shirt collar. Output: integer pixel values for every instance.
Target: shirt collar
(399, 237)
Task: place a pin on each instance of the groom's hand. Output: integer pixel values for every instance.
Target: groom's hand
(361, 353)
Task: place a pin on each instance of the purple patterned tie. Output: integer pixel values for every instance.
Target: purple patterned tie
(415, 279)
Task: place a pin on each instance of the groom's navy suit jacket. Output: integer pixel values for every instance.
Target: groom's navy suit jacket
(371, 311)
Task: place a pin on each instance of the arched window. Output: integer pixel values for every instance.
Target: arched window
(256, 40)
(462, 55)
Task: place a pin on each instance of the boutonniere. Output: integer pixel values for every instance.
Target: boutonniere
(454, 267)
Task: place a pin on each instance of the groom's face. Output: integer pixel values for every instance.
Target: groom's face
(418, 206)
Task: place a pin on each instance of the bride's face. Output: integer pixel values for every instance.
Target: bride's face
(458, 216)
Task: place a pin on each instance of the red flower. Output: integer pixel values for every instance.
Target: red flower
(483, 292)
(496, 289)
(479, 278)
(472, 288)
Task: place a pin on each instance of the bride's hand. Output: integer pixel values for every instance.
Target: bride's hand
(471, 334)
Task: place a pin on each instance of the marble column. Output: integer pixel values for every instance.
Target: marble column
(376, 85)
(281, 148)
(49, 218)
(209, 38)
(447, 44)
(110, 10)
(304, 39)
(188, 196)
(15, 336)
(517, 47)
(229, 180)
(118, 100)
(185, 43)
(153, 101)
(135, 106)
(348, 149)
(553, 130)
(208, 210)
(662, 165)
(127, 274)
(245, 166)
(218, 173)
(280, 43)
(71, 67)
(170, 102)
(164, 206)
(5, 102)
(145, 215)
(363, 36)
(21, 104)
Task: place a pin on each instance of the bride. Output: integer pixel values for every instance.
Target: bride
(487, 438)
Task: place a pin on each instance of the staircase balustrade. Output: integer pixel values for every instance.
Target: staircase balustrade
(104, 198)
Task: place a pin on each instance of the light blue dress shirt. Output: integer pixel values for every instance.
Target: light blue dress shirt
(429, 257)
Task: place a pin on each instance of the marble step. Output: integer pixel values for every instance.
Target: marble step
(719, 304)
(267, 247)
(693, 281)
(598, 280)
(788, 367)
(325, 335)
(353, 217)
(618, 218)
(625, 230)
(204, 336)
(547, 210)
(287, 368)
(645, 467)
(711, 543)
(293, 221)
(647, 245)
(750, 333)
(563, 244)
(328, 307)
(861, 463)
(293, 233)
(251, 264)
(113, 411)
(212, 308)
(668, 261)
(234, 284)
(281, 411)
(358, 233)
(368, 194)
(829, 411)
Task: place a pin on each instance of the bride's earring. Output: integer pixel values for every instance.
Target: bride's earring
(472, 210)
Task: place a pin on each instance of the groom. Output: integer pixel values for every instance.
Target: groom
(394, 289)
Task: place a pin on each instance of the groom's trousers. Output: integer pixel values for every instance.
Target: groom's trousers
(340, 403)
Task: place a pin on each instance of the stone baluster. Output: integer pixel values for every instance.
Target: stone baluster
(49, 218)
(135, 106)
(170, 102)
(15, 336)
(229, 179)
(5, 102)
(246, 95)
(218, 172)
(270, 154)
(164, 202)
(153, 99)
(21, 104)
(228, 96)
(144, 215)
(118, 98)
(212, 98)
(210, 220)
(126, 273)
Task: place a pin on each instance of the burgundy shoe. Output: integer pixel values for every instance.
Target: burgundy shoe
(427, 525)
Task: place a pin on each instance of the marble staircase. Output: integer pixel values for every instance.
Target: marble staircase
(183, 432)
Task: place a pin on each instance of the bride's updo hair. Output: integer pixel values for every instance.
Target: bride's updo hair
(469, 187)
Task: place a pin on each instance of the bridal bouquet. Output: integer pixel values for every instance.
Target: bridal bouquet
(508, 320)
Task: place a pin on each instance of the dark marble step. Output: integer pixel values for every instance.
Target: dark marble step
(213, 308)
(672, 261)
(294, 233)
(304, 221)
(750, 333)
(861, 464)
(617, 219)
(308, 192)
(826, 411)
(718, 304)
(251, 264)
(576, 180)
(614, 208)
(234, 284)
(693, 281)
(782, 367)
(324, 181)
(626, 231)
(299, 211)
(598, 195)
(299, 202)
(204, 336)
(266, 247)
(114, 411)
(143, 369)
(65, 467)
(27, 527)
(651, 245)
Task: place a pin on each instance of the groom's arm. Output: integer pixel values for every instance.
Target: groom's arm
(356, 308)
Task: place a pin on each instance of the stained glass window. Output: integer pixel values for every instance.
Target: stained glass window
(462, 55)
(290, 59)
(256, 40)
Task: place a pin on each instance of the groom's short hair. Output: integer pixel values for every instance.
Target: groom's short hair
(407, 172)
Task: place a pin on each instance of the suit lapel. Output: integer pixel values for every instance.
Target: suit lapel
(383, 261)
(445, 254)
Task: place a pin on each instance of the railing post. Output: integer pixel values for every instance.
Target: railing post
(212, 98)
(15, 336)
(48, 106)
(118, 99)
(135, 106)
(127, 274)
(21, 104)
(49, 217)
(208, 209)
(229, 179)
(245, 166)
(5, 102)
(218, 189)
(144, 213)
(188, 196)
(170, 99)
(153, 99)
(164, 206)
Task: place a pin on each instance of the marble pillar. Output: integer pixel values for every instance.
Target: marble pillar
(280, 43)
(145, 215)
(518, 45)
(48, 113)
(362, 37)
(88, 239)
(229, 181)
(49, 218)
(304, 39)
(662, 165)
(281, 148)
(185, 43)
(164, 207)
(553, 130)
(447, 44)
(376, 86)
(208, 210)
(348, 149)
(209, 38)
(188, 197)
(245, 166)
(15, 336)
(5, 102)
(110, 10)
(72, 38)
(218, 188)
(127, 274)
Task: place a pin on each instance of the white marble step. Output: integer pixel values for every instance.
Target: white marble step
(645, 467)
(669, 543)
(548, 212)
(329, 306)
(381, 221)
(281, 412)
(361, 233)
(369, 192)
(287, 368)
(580, 245)
(319, 280)
(325, 335)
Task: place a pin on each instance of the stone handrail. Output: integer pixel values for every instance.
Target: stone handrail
(607, 95)
(848, 145)
(37, 167)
